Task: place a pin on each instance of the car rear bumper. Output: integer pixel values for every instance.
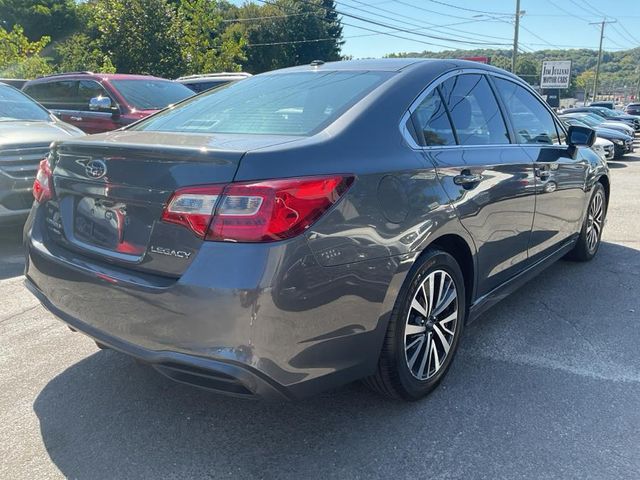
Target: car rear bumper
(247, 320)
(220, 376)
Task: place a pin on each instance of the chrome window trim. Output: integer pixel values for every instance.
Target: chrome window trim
(445, 76)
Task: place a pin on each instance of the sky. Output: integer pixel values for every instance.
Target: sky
(468, 24)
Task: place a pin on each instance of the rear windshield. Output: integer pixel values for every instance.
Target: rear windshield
(206, 85)
(15, 105)
(286, 103)
(151, 94)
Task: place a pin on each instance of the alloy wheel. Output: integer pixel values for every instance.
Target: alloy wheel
(431, 325)
(594, 221)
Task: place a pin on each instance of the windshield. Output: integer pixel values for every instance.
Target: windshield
(611, 113)
(591, 120)
(151, 94)
(15, 105)
(574, 121)
(286, 103)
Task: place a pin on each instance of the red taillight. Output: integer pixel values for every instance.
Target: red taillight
(193, 207)
(264, 211)
(43, 184)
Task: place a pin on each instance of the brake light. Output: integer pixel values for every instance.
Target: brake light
(43, 184)
(263, 211)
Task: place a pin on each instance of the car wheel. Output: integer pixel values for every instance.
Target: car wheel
(424, 329)
(589, 240)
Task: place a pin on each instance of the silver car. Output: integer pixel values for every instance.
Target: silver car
(26, 131)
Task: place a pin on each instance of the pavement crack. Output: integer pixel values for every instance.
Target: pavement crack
(17, 314)
(564, 318)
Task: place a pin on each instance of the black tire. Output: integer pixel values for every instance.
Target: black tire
(394, 376)
(584, 249)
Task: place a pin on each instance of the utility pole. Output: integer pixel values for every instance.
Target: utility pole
(595, 82)
(515, 38)
(637, 99)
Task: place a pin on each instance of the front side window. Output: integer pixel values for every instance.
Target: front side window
(88, 89)
(285, 103)
(532, 122)
(431, 122)
(474, 110)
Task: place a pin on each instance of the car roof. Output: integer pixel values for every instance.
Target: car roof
(396, 65)
(215, 76)
(93, 76)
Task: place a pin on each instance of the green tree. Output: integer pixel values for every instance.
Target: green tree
(79, 53)
(138, 36)
(528, 70)
(53, 18)
(19, 57)
(290, 33)
(209, 43)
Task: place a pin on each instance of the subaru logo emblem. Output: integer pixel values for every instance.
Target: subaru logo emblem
(95, 169)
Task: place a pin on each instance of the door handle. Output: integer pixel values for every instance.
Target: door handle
(75, 118)
(467, 179)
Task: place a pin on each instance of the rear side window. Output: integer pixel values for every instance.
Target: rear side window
(431, 122)
(296, 103)
(532, 122)
(55, 95)
(474, 110)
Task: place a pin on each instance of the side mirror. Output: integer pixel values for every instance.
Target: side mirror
(578, 136)
(100, 104)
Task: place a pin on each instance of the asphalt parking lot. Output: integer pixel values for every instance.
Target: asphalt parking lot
(546, 385)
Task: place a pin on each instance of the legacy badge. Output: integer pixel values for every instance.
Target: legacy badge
(170, 252)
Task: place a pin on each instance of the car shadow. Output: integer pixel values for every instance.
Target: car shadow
(11, 253)
(616, 164)
(110, 417)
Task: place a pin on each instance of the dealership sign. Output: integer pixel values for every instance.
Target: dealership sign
(556, 74)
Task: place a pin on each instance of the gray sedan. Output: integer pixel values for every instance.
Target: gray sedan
(312, 226)
(26, 131)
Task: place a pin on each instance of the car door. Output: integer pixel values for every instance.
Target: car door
(489, 180)
(560, 171)
(58, 96)
(95, 121)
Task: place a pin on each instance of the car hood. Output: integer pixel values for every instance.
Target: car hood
(610, 133)
(610, 124)
(602, 142)
(31, 132)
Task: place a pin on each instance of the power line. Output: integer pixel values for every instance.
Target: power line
(468, 9)
(398, 29)
(434, 25)
(420, 26)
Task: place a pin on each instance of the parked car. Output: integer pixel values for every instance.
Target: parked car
(612, 115)
(604, 148)
(260, 243)
(623, 143)
(26, 131)
(200, 83)
(14, 82)
(609, 105)
(97, 102)
(597, 120)
(632, 109)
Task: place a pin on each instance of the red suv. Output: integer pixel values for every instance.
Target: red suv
(96, 102)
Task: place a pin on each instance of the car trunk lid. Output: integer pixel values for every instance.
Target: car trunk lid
(110, 191)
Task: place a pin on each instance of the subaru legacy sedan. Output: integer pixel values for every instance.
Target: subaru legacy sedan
(313, 226)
